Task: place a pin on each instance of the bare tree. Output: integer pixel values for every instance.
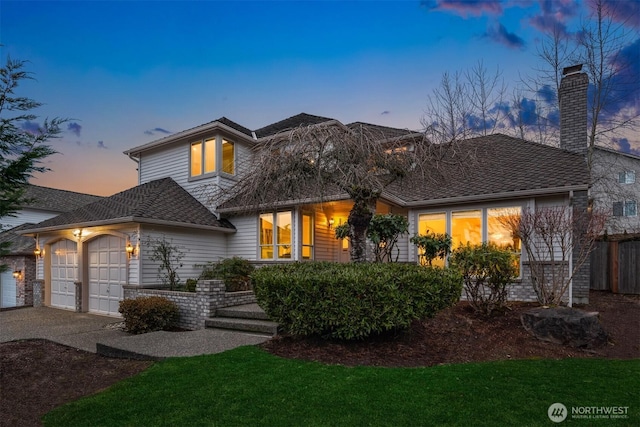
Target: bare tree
(465, 105)
(331, 161)
(557, 241)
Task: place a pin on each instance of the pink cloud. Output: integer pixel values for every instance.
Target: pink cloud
(465, 8)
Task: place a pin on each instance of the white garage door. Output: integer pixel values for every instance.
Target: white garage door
(7, 289)
(64, 271)
(107, 274)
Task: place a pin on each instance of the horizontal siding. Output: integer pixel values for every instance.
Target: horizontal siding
(171, 161)
(198, 246)
(24, 216)
(244, 242)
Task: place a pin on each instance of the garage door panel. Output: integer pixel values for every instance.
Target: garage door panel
(110, 267)
(64, 271)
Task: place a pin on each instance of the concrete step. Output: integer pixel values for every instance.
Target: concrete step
(246, 311)
(246, 325)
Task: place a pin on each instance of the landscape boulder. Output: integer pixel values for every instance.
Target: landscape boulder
(566, 326)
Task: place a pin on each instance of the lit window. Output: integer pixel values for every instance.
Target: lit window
(196, 158)
(466, 227)
(627, 177)
(435, 223)
(275, 235)
(307, 236)
(210, 155)
(500, 225)
(228, 157)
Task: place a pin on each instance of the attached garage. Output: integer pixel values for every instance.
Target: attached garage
(107, 274)
(7, 289)
(64, 272)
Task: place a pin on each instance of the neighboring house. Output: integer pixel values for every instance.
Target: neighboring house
(180, 197)
(42, 203)
(615, 187)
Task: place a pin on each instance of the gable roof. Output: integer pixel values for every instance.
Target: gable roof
(20, 245)
(54, 200)
(499, 166)
(162, 201)
(302, 119)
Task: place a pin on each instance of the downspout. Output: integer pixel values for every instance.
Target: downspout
(571, 253)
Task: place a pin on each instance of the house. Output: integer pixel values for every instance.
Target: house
(42, 203)
(93, 251)
(615, 179)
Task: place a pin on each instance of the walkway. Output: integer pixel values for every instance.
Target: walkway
(100, 334)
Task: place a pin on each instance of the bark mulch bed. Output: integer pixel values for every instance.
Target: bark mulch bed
(37, 375)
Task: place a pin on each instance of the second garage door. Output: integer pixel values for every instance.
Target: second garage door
(107, 274)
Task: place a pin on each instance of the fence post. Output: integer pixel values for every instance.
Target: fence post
(613, 266)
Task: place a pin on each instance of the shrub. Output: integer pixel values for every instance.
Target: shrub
(148, 314)
(432, 246)
(190, 285)
(352, 301)
(236, 273)
(383, 232)
(487, 270)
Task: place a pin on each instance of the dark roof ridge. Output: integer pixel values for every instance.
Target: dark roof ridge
(301, 119)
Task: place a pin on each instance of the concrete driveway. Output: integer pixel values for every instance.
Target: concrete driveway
(100, 334)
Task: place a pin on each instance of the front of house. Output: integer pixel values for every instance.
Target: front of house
(92, 252)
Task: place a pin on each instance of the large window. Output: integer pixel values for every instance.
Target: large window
(204, 157)
(474, 227)
(275, 235)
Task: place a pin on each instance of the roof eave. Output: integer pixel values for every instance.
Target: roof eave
(497, 196)
(286, 203)
(186, 134)
(123, 220)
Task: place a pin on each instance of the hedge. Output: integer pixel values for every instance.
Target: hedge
(352, 301)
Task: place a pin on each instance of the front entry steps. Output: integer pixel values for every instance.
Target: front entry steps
(244, 318)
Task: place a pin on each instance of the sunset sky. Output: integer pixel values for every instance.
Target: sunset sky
(129, 72)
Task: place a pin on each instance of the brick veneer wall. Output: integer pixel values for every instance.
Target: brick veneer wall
(196, 307)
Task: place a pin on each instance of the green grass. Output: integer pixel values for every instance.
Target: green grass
(249, 387)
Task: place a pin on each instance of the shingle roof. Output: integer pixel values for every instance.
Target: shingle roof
(55, 200)
(234, 125)
(382, 131)
(293, 122)
(20, 245)
(162, 200)
(498, 164)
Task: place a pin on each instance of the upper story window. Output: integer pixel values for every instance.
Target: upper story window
(212, 155)
(626, 208)
(627, 177)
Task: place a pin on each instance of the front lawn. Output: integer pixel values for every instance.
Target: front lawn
(249, 387)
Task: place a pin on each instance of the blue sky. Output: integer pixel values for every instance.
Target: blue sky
(129, 72)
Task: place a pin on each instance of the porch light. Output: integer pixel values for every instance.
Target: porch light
(131, 250)
(17, 274)
(77, 233)
(331, 222)
(38, 252)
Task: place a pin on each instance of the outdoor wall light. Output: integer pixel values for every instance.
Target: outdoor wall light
(38, 252)
(17, 274)
(331, 222)
(77, 233)
(131, 250)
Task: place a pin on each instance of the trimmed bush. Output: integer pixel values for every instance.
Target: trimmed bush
(235, 272)
(148, 314)
(352, 301)
(487, 271)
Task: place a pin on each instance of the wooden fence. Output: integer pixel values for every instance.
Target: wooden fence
(615, 266)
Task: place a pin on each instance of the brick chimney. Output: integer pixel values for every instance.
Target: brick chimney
(573, 109)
